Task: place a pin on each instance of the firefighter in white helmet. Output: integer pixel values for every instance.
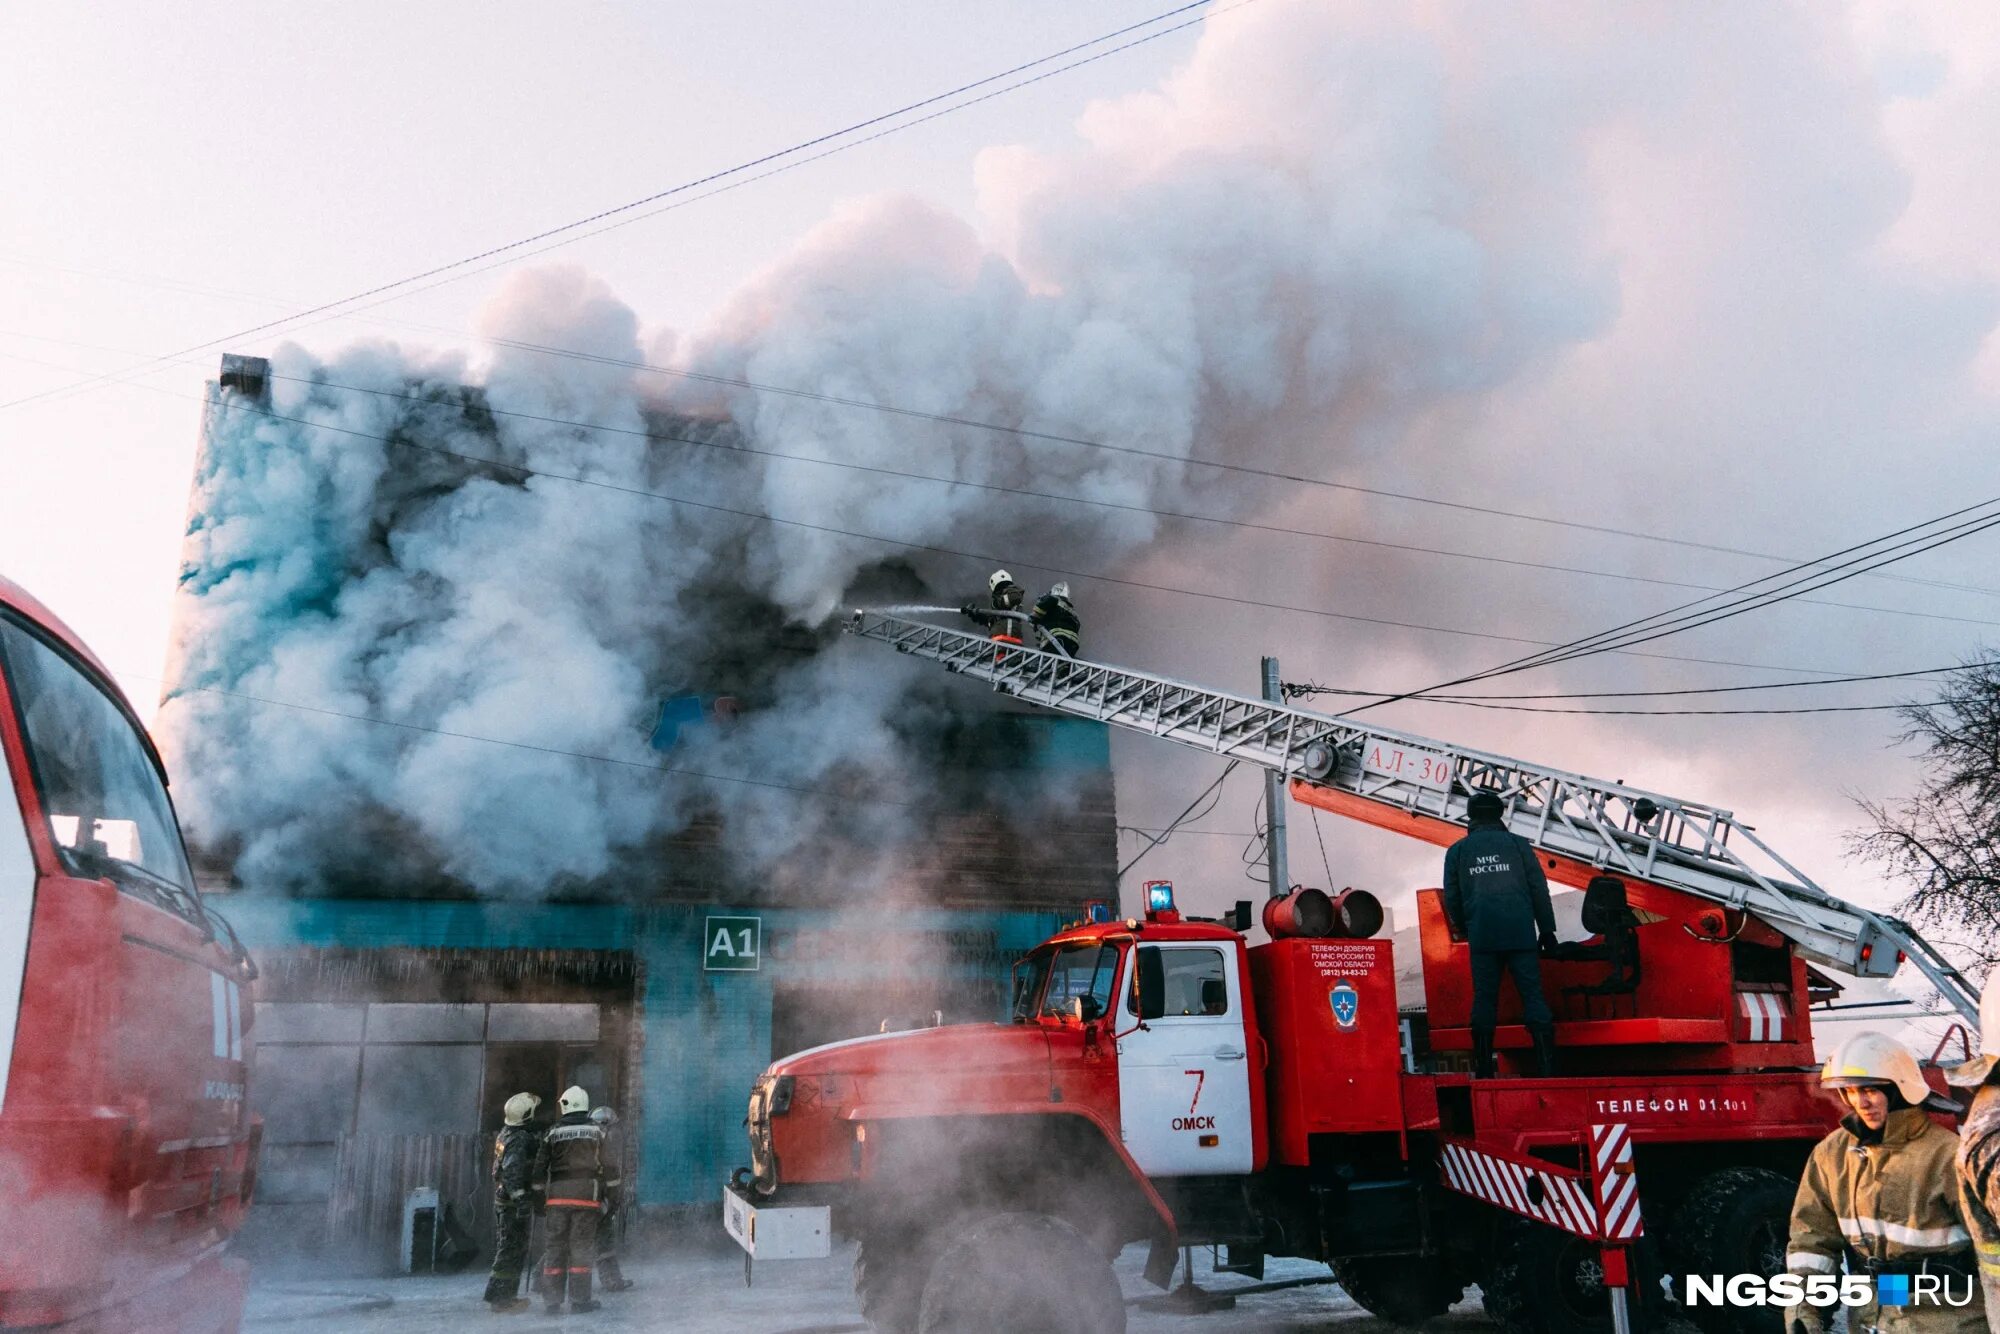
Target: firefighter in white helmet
(609, 1276)
(1056, 620)
(1003, 617)
(570, 1170)
(1979, 1146)
(513, 1206)
(1880, 1197)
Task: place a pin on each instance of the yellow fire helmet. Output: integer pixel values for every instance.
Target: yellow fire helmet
(1969, 1074)
(1875, 1059)
(520, 1107)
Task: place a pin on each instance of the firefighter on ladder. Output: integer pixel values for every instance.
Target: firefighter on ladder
(1003, 619)
(513, 1206)
(1880, 1194)
(1979, 1147)
(1496, 898)
(1055, 618)
(570, 1169)
(610, 1277)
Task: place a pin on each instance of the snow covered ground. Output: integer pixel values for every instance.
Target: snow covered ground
(704, 1294)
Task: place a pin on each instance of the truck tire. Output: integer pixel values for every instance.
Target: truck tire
(890, 1268)
(1401, 1289)
(1543, 1281)
(1735, 1221)
(1022, 1274)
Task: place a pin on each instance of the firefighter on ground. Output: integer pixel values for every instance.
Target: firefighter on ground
(1003, 617)
(1055, 617)
(610, 1276)
(569, 1168)
(513, 1203)
(1497, 899)
(1979, 1147)
(1880, 1197)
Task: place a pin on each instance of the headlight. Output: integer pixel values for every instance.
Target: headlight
(781, 1095)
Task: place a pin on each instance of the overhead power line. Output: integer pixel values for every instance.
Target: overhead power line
(1659, 624)
(569, 232)
(520, 470)
(1300, 689)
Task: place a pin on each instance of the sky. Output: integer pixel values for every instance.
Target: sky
(1728, 276)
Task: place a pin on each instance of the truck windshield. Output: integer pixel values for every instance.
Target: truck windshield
(1029, 975)
(106, 806)
(1086, 972)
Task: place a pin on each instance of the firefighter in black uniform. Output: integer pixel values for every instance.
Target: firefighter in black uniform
(569, 1168)
(1055, 616)
(1497, 899)
(513, 1207)
(610, 1277)
(1002, 618)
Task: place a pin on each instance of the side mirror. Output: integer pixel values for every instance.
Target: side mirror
(1085, 1009)
(1152, 977)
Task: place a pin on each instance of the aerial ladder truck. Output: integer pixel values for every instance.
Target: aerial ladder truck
(1165, 1082)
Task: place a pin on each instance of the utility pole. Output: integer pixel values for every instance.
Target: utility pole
(1275, 800)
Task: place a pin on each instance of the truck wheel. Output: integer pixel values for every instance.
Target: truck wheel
(1022, 1274)
(1401, 1289)
(1544, 1281)
(890, 1267)
(1735, 1221)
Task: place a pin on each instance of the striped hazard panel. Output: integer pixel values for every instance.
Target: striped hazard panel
(1535, 1190)
(1767, 1013)
(1617, 1183)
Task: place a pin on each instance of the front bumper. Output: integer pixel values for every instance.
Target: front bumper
(776, 1232)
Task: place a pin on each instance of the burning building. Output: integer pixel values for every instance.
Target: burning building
(518, 771)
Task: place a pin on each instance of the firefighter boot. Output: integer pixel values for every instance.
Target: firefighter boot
(1545, 1049)
(1482, 1053)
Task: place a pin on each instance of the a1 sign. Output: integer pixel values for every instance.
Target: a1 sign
(732, 944)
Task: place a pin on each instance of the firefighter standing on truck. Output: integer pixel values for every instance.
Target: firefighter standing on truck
(569, 1167)
(610, 1277)
(1497, 899)
(1979, 1147)
(513, 1206)
(1880, 1196)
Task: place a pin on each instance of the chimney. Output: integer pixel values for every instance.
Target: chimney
(248, 376)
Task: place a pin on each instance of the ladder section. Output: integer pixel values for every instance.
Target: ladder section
(1647, 835)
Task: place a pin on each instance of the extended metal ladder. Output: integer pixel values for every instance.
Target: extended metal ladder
(1684, 844)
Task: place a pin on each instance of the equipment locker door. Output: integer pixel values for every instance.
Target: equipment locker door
(1184, 1078)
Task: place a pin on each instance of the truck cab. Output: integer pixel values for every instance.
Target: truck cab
(126, 1142)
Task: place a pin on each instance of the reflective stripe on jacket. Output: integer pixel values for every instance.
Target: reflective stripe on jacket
(1895, 1201)
(1979, 1188)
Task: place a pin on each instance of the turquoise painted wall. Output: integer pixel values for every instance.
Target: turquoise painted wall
(707, 1034)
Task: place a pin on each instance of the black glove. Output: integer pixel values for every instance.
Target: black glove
(1549, 942)
(968, 610)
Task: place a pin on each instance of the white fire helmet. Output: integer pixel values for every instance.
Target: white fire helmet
(520, 1107)
(604, 1116)
(1875, 1059)
(1969, 1074)
(1061, 590)
(574, 1099)
(997, 578)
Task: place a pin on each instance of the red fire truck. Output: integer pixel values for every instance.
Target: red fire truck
(127, 1154)
(1164, 1082)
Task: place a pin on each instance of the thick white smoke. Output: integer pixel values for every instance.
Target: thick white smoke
(1414, 244)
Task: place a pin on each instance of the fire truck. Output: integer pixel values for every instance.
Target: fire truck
(1164, 1082)
(127, 1152)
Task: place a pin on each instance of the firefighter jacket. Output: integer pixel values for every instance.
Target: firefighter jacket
(1888, 1206)
(570, 1163)
(514, 1161)
(1495, 894)
(1057, 619)
(1979, 1188)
